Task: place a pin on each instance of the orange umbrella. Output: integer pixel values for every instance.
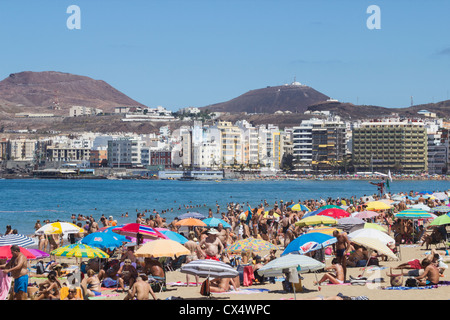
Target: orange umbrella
(191, 222)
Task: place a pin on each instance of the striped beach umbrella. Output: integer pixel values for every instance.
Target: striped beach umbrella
(133, 229)
(206, 268)
(16, 239)
(443, 209)
(299, 207)
(250, 245)
(79, 250)
(413, 214)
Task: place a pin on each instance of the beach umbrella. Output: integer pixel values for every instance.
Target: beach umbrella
(5, 253)
(350, 223)
(250, 245)
(109, 229)
(377, 205)
(291, 264)
(39, 254)
(387, 201)
(371, 233)
(426, 192)
(366, 214)
(162, 248)
(440, 196)
(275, 215)
(413, 214)
(79, 250)
(334, 213)
(398, 197)
(315, 220)
(309, 242)
(16, 239)
(59, 228)
(205, 268)
(191, 222)
(104, 240)
(325, 230)
(172, 235)
(420, 206)
(299, 207)
(195, 215)
(135, 229)
(330, 206)
(375, 244)
(214, 223)
(312, 213)
(374, 226)
(443, 209)
(300, 263)
(441, 220)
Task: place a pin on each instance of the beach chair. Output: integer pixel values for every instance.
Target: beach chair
(158, 284)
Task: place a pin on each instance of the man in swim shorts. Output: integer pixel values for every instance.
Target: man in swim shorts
(17, 267)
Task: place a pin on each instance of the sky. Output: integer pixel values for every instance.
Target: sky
(180, 53)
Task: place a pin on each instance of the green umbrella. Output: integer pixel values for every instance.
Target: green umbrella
(444, 219)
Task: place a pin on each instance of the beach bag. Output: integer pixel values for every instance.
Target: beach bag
(40, 269)
(411, 282)
(205, 289)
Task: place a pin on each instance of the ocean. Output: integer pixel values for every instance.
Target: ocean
(24, 201)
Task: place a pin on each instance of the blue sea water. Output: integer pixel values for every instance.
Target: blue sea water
(22, 202)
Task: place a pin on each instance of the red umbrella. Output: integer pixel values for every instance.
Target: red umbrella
(5, 253)
(334, 213)
(133, 229)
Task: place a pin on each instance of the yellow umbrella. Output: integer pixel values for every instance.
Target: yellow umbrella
(377, 205)
(162, 248)
(374, 244)
(315, 220)
(325, 230)
(59, 228)
(275, 215)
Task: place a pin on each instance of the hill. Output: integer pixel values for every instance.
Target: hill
(38, 92)
(294, 97)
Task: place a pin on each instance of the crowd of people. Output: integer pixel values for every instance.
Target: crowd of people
(275, 223)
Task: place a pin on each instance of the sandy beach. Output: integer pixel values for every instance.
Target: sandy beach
(373, 291)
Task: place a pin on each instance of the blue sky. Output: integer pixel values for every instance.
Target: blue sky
(199, 52)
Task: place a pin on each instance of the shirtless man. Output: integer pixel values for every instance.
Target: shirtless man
(140, 290)
(94, 226)
(430, 274)
(342, 247)
(337, 278)
(213, 246)
(17, 266)
(153, 267)
(222, 235)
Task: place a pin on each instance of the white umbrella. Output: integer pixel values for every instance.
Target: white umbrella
(59, 228)
(291, 264)
(421, 206)
(371, 233)
(205, 268)
(299, 262)
(440, 196)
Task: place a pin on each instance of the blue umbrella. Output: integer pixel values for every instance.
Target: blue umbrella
(214, 223)
(312, 213)
(104, 240)
(194, 215)
(309, 242)
(175, 236)
(425, 192)
(17, 239)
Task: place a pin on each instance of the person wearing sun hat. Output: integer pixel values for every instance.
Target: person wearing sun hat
(213, 246)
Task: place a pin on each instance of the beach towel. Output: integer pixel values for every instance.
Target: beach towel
(410, 288)
(183, 284)
(5, 285)
(103, 296)
(248, 276)
(244, 291)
